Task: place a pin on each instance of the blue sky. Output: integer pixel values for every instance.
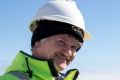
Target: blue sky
(98, 59)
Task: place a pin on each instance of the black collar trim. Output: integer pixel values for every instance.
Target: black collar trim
(35, 57)
(52, 69)
(49, 61)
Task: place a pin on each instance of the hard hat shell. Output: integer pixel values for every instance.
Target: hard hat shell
(63, 11)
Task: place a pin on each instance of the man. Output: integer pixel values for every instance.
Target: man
(58, 33)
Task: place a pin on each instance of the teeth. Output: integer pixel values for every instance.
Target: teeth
(67, 60)
(62, 57)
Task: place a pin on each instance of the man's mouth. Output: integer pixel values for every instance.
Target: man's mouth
(63, 58)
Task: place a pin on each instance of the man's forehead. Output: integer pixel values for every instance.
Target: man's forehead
(67, 37)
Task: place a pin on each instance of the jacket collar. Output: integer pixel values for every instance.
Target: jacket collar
(34, 66)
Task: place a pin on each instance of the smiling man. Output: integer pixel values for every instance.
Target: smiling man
(58, 33)
(59, 43)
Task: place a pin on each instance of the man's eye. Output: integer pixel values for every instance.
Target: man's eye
(74, 48)
(61, 43)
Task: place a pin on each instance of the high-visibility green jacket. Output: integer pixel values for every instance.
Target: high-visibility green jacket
(27, 67)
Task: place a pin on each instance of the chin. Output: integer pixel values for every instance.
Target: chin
(60, 68)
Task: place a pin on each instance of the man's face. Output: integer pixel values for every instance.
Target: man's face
(61, 48)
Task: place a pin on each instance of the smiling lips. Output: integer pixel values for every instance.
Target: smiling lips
(63, 57)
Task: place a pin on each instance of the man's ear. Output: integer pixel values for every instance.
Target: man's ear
(37, 44)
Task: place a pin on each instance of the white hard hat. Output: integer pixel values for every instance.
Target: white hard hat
(63, 11)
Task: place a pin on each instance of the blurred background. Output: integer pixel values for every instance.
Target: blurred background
(99, 58)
